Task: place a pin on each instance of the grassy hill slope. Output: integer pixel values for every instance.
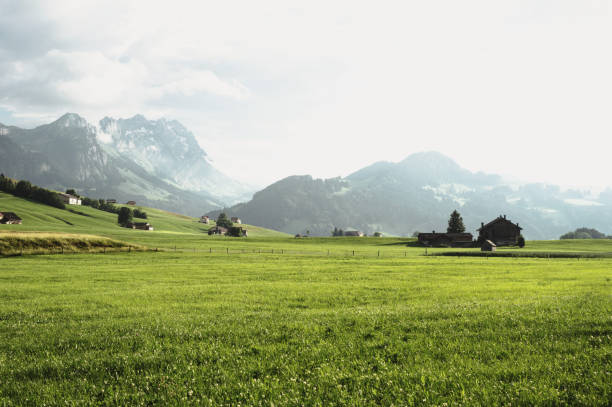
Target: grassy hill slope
(170, 228)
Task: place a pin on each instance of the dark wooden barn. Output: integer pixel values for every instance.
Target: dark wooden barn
(500, 231)
(434, 239)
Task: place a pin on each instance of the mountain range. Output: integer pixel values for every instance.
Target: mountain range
(153, 162)
(159, 163)
(418, 194)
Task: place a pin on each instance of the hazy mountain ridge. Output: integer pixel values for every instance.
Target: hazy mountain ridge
(68, 154)
(169, 151)
(419, 193)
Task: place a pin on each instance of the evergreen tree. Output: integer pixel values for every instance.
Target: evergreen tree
(224, 221)
(455, 223)
(125, 216)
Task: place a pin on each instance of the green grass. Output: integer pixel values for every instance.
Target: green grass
(213, 329)
(170, 228)
(385, 326)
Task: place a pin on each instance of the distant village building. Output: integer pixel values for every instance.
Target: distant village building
(500, 231)
(113, 201)
(205, 219)
(9, 218)
(488, 246)
(217, 230)
(131, 203)
(139, 225)
(434, 239)
(377, 234)
(236, 220)
(70, 199)
(353, 233)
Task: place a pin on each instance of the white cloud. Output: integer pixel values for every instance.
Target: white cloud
(328, 87)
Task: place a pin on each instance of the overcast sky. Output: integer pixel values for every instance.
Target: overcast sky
(275, 88)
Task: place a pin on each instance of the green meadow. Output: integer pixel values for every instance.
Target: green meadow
(274, 320)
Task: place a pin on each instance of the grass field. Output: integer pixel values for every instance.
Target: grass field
(386, 326)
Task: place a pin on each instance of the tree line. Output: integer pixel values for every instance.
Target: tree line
(585, 233)
(25, 189)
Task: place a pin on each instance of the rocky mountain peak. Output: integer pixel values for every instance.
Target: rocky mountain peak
(71, 120)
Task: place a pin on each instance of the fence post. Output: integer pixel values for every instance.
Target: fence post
(210, 250)
(227, 250)
(353, 252)
(378, 254)
(282, 251)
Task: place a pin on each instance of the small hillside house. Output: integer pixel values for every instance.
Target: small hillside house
(500, 231)
(130, 203)
(353, 233)
(236, 220)
(217, 230)
(70, 199)
(139, 225)
(434, 239)
(9, 218)
(113, 201)
(205, 219)
(488, 246)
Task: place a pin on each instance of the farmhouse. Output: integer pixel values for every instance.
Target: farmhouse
(139, 225)
(217, 230)
(130, 203)
(113, 201)
(354, 233)
(9, 218)
(500, 231)
(236, 220)
(434, 239)
(205, 219)
(70, 199)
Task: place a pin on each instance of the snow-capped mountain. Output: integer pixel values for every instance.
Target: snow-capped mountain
(169, 151)
(156, 163)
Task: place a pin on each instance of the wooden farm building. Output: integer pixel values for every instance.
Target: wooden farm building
(9, 218)
(500, 231)
(139, 225)
(130, 203)
(353, 233)
(434, 239)
(217, 230)
(205, 219)
(236, 220)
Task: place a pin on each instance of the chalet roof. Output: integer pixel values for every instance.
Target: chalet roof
(489, 243)
(499, 219)
(67, 195)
